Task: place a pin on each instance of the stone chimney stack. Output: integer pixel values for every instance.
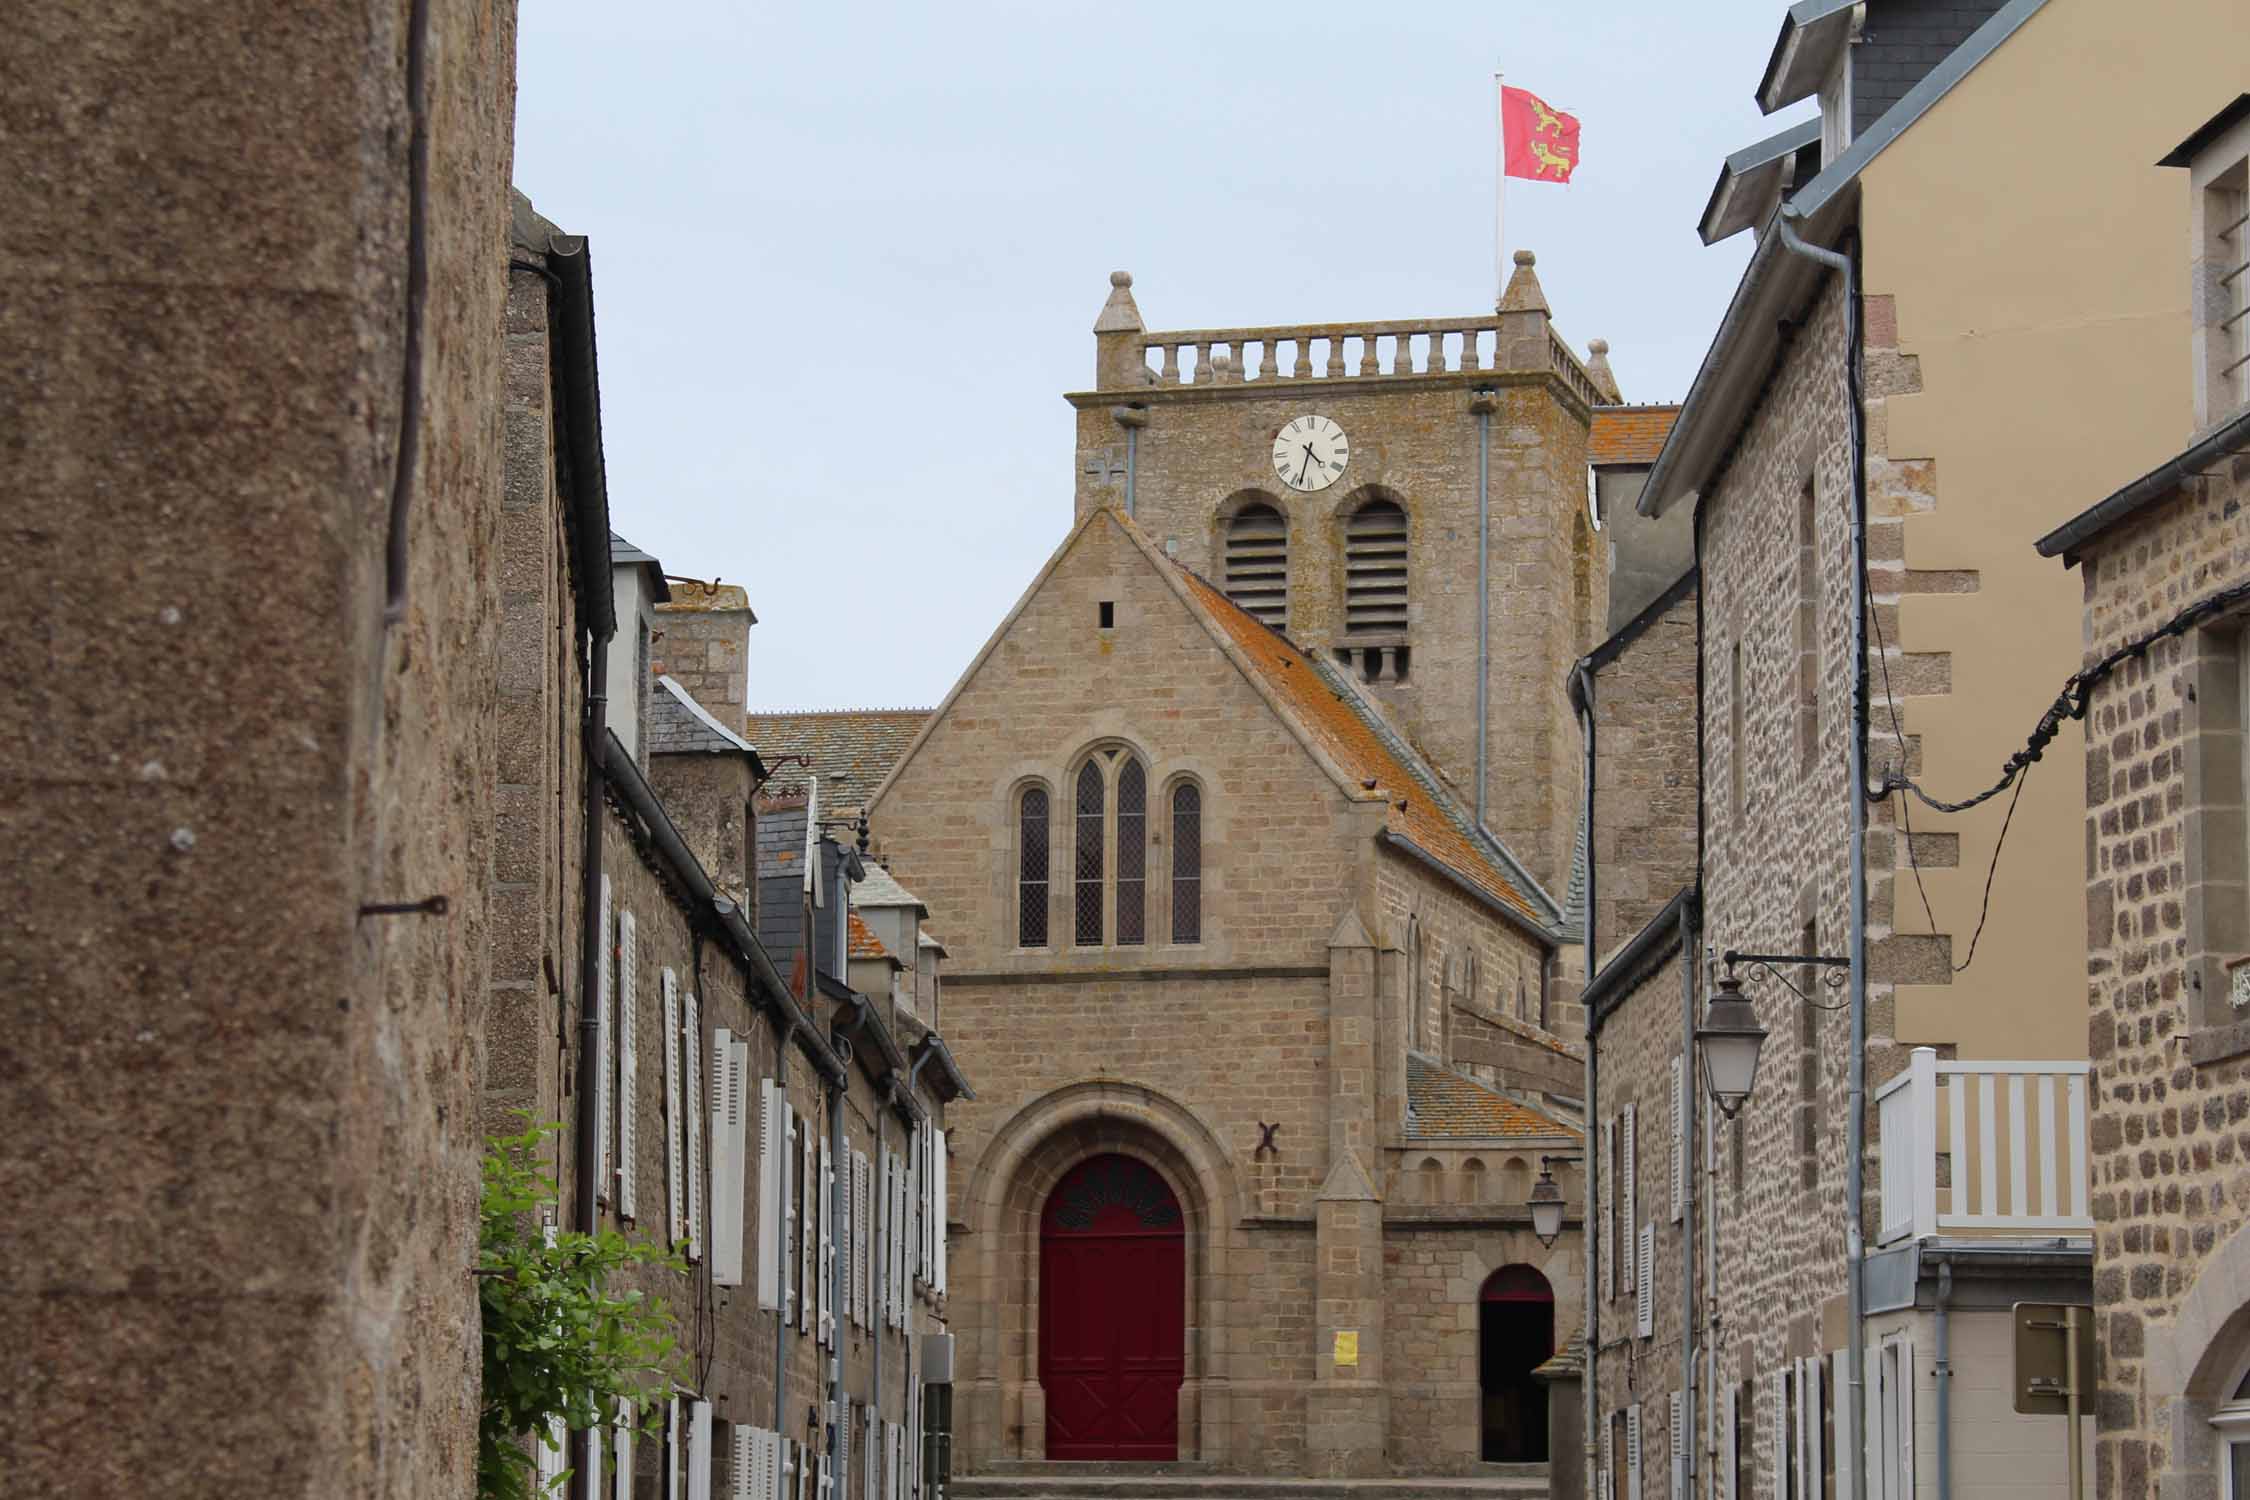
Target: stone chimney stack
(706, 647)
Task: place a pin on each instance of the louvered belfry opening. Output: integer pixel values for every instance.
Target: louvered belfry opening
(1031, 869)
(1257, 564)
(1132, 854)
(1091, 795)
(1375, 602)
(1187, 863)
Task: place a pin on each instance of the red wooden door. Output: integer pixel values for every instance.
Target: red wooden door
(1112, 1312)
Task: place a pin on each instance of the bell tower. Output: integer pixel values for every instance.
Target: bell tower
(1407, 497)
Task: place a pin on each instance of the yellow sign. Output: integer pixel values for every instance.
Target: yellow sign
(1347, 1346)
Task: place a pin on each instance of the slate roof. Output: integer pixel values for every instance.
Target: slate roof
(1441, 1102)
(1629, 434)
(678, 725)
(851, 750)
(879, 889)
(860, 940)
(1351, 731)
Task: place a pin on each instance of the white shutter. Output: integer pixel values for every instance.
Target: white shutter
(621, 1444)
(1729, 1445)
(938, 1202)
(787, 1460)
(1906, 1419)
(749, 1458)
(847, 1270)
(1784, 1460)
(889, 1275)
(1607, 1165)
(599, 1062)
(1678, 1437)
(827, 1485)
(691, 1053)
(872, 1473)
(593, 1436)
(1847, 1472)
(916, 1215)
(727, 1146)
(554, 1454)
(1644, 1295)
(675, 1205)
(785, 1150)
(1628, 1207)
(1633, 1450)
(863, 1235)
(827, 1215)
(808, 1220)
(1811, 1406)
(628, 1055)
(672, 1449)
(1679, 1138)
(770, 1125)
(900, 1282)
(699, 1451)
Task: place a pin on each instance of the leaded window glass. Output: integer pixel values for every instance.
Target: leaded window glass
(1031, 869)
(1132, 854)
(1091, 796)
(1187, 863)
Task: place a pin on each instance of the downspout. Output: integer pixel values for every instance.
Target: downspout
(1132, 418)
(1482, 404)
(837, 1248)
(1944, 1381)
(1690, 915)
(1855, 1149)
(591, 936)
(1582, 696)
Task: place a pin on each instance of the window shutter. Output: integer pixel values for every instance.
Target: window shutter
(847, 1270)
(938, 1202)
(554, 1453)
(1628, 1208)
(599, 1062)
(1679, 1139)
(691, 1055)
(770, 1125)
(863, 1231)
(1879, 1410)
(593, 1436)
(808, 1231)
(896, 1241)
(699, 1451)
(675, 1206)
(1905, 1419)
(728, 1120)
(1811, 1406)
(1730, 1445)
(1606, 1163)
(628, 1055)
(749, 1458)
(1678, 1434)
(871, 1473)
(1609, 1458)
(826, 1487)
(621, 1444)
(784, 1473)
(1847, 1472)
(827, 1242)
(1644, 1298)
(785, 1174)
(1633, 1450)
(672, 1448)
(1778, 1424)
(882, 1246)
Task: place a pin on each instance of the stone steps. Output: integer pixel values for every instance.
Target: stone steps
(1027, 1480)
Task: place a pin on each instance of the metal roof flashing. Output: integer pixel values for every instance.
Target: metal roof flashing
(1752, 180)
(1813, 37)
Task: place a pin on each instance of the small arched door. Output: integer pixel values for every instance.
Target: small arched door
(1515, 1335)
(1112, 1312)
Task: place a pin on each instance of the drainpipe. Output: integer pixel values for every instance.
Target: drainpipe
(838, 1247)
(1690, 914)
(591, 937)
(1132, 418)
(1855, 1150)
(1582, 695)
(1482, 404)
(1944, 1382)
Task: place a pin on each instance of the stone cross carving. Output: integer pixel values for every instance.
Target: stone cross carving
(1105, 467)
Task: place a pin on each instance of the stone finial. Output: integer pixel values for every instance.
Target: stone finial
(1597, 365)
(1524, 294)
(1119, 314)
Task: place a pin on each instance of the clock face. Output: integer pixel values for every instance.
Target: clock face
(1309, 453)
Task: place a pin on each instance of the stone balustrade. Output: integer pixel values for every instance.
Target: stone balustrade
(1410, 349)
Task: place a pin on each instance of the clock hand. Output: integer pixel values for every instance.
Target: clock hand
(1306, 464)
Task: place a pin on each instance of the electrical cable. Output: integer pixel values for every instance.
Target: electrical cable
(417, 295)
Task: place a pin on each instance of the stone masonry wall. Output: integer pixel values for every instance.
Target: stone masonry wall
(2171, 1107)
(704, 643)
(1645, 782)
(247, 1114)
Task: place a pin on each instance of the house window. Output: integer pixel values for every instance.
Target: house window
(2227, 251)
(1257, 563)
(1132, 854)
(1187, 865)
(1093, 797)
(2217, 836)
(1032, 838)
(2233, 1423)
(1375, 591)
(1808, 630)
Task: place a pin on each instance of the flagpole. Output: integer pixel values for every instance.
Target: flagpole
(1499, 190)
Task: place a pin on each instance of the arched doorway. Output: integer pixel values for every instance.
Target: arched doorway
(1515, 1335)
(1112, 1312)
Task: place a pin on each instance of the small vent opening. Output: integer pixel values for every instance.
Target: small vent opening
(1375, 570)
(1257, 564)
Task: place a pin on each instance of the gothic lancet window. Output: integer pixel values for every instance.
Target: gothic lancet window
(1257, 563)
(1132, 854)
(1187, 863)
(1031, 868)
(1092, 799)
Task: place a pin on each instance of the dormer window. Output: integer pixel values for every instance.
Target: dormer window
(2218, 161)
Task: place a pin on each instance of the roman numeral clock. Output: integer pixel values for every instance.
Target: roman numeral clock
(1310, 453)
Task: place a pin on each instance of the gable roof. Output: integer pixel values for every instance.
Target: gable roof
(860, 940)
(1628, 434)
(851, 750)
(1328, 709)
(678, 725)
(879, 888)
(1442, 1103)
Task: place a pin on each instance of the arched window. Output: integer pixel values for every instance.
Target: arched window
(1432, 1180)
(1132, 854)
(1375, 570)
(1472, 1181)
(1031, 868)
(1092, 799)
(1187, 863)
(1257, 563)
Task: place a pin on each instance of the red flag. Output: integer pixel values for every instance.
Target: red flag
(1542, 143)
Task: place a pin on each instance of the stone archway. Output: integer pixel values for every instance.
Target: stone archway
(2192, 1360)
(1004, 1413)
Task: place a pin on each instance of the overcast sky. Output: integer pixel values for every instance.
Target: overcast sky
(847, 257)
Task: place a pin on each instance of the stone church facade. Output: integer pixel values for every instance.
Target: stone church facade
(1273, 1032)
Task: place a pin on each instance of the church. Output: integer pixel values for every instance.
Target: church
(1250, 838)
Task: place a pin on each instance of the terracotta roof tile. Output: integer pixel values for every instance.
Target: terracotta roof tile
(861, 941)
(1629, 434)
(1441, 1102)
(851, 750)
(1344, 726)
(1568, 1362)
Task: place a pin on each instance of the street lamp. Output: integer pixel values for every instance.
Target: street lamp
(1547, 1202)
(1727, 1044)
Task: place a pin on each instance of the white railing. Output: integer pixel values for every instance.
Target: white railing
(2011, 1137)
